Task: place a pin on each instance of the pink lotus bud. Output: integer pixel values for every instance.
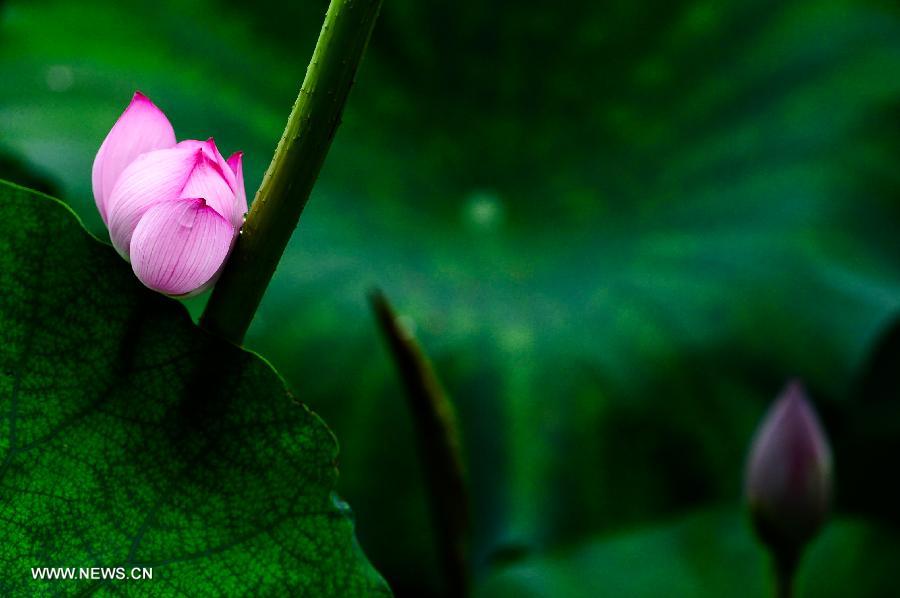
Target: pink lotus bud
(788, 480)
(173, 209)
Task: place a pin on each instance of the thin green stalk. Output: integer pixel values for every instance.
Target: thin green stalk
(439, 447)
(784, 564)
(291, 175)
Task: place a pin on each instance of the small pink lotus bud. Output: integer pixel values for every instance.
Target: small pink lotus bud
(788, 479)
(173, 209)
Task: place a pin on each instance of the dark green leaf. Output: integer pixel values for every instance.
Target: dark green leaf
(130, 438)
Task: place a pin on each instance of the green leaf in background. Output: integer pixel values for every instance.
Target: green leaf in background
(710, 553)
(619, 227)
(131, 438)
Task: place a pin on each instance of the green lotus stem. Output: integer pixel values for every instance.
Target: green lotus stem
(785, 569)
(439, 447)
(290, 177)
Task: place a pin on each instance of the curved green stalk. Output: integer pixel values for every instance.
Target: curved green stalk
(439, 447)
(290, 177)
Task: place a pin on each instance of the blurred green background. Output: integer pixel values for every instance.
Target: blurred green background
(619, 228)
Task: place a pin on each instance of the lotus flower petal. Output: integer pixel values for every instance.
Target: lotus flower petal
(180, 246)
(212, 152)
(206, 181)
(141, 128)
(240, 195)
(153, 177)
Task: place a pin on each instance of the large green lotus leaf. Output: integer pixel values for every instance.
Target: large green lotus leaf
(709, 553)
(130, 438)
(619, 227)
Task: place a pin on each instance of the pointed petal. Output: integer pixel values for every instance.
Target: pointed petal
(180, 246)
(789, 452)
(212, 152)
(240, 195)
(193, 144)
(141, 128)
(153, 177)
(206, 181)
